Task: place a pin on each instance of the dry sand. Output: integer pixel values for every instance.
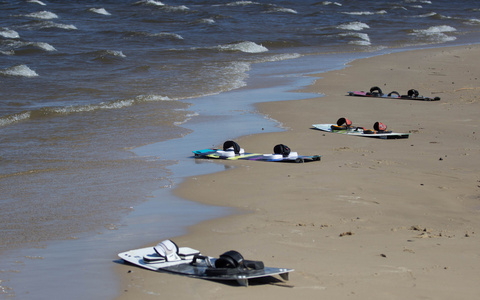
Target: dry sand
(375, 219)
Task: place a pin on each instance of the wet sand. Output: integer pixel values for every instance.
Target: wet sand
(375, 219)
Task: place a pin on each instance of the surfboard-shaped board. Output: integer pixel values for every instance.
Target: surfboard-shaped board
(359, 131)
(146, 258)
(420, 98)
(374, 95)
(230, 155)
(392, 96)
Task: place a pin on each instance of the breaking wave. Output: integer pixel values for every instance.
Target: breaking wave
(247, 47)
(37, 2)
(109, 55)
(164, 35)
(167, 35)
(44, 46)
(206, 21)
(282, 10)
(49, 25)
(16, 44)
(331, 3)
(280, 57)
(5, 121)
(472, 21)
(242, 3)
(188, 117)
(19, 70)
(117, 104)
(362, 38)
(365, 13)
(100, 11)
(435, 33)
(176, 8)
(149, 2)
(49, 111)
(357, 26)
(9, 34)
(44, 15)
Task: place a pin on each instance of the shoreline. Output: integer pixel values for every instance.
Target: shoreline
(385, 193)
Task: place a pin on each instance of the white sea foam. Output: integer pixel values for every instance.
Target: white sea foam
(236, 73)
(50, 24)
(207, 21)
(177, 8)
(280, 57)
(437, 29)
(472, 21)
(116, 104)
(187, 118)
(92, 107)
(8, 33)
(9, 52)
(100, 11)
(331, 3)
(19, 70)
(365, 13)
(4, 121)
(436, 33)
(108, 105)
(150, 2)
(427, 15)
(44, 46)
(419, 1)
(15, 44)
(151, 98)
(44, 15)
(360, 43)
(359, 13)
(248, 47)
(37, 2)
(399, 7)
(283, 10)
(357, 26)
(168, 35)
(241, 3)
(363, 38)
(115, 53)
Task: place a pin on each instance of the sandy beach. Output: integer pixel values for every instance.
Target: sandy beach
(374, 219)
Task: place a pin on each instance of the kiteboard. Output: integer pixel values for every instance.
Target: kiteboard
(230, 266)
(231, 151)
(361, 131)
(412, 94)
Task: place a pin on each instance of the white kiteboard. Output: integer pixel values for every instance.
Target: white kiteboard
(360, 131)
(189, 262)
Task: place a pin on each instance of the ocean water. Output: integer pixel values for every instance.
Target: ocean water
(102, 102)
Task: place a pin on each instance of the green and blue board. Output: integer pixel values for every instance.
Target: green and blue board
(229, 155)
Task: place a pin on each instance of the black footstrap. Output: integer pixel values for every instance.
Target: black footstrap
(248, 266)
